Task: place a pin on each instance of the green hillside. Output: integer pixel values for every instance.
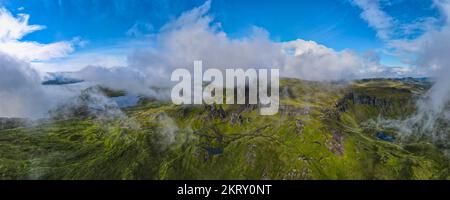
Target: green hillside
(319, 133)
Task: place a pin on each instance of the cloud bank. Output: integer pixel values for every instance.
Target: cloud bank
(430, 55)
(21, 92)
(194, 35)
(432, 52)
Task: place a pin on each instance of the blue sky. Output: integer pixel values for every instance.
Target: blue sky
(337, 24)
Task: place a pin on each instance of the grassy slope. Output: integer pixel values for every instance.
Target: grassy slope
(309, 139)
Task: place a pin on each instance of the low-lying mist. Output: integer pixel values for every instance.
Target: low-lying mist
(432, 116)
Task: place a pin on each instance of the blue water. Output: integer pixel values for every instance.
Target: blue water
(385, 137)
(126, 101)
(214, 151)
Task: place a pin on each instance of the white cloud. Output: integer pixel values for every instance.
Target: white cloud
(431, 55)
(21, 92)
(192, 36)
(415, 42)
(388, 28)
(195, 36)
(33, 51)
(317, 62)
(444, 7)
(376, 17)
(139, 29)
(14, 28)
(431, 47)
(78, 61)
(18, 83)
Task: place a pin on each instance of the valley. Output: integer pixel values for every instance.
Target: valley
(321, 131)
